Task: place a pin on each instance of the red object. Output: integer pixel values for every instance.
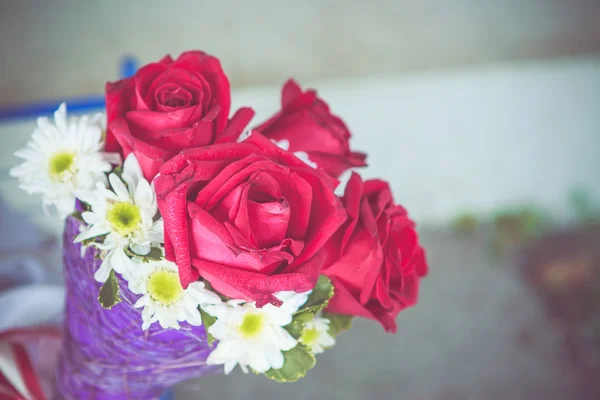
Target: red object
(377, 259)
(20, 379)
(248, 217)
(167, 106)
(306, 122)
(254, 219)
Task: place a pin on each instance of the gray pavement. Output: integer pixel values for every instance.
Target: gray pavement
(477, 334)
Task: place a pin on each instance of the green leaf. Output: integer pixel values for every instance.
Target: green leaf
(155, 254)
(298, 361)
(207, 321)
(95, 239)
(582, 203)
(295, 328)
(338, 323)
(78, 214)
(118, 170)
(109, 292)
(317, 300)
(303, 316)
(465, 224)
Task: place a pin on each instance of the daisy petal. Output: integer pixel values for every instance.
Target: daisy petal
(118, 187)
(157, 232)
(92, 232)
(113, 158)
(120, 262)
(170, 306)
(61, 158)
(143, 193)
(90, 217)
(131, 168)
(253, 337)
(101, 275)
(141, 249)
(229, 366)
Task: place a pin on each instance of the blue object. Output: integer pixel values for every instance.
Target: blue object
(24, 111)
(127, 68)
(168, 395)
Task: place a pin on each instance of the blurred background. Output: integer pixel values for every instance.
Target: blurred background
(70, 47)
(483, 115)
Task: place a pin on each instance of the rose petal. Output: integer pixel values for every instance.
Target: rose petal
(352, 200)
(290, 92)
(344, 301)
(190, 80)
(210, 67)
(142, 81)
(324, 219)
(269, 222)
(171, 96)
(336, 165)
(380, 196)
(240, 217)
(149, 157)
(307, 123)
(236, 125)
(212, 241)
(258, 287)
(152, 121)
(171, 195)
(200, 133)
(118, 101)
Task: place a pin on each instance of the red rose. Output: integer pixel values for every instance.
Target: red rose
(381, 260)
(248, 217)
(307, 124)
(167, 106)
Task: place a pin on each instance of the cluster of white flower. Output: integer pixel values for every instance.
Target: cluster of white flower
(253, 337)
(63, 157)
(256, 337)
(125, 216)
(163, 298)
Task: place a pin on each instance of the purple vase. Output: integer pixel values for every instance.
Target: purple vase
(106, 355)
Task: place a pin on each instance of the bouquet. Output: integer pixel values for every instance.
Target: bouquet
(194, 244)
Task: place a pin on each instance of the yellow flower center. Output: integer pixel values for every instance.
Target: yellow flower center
(164, 287)
(309, 336)
(252, 325)
(124, 217)
(60, 163)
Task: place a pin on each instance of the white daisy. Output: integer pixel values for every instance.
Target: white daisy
(302, 155)
(125, 215)
(253, 337)
(163, 298)
(63, 157)
(315, 335)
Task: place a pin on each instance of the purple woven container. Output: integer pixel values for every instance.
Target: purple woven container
(106, 355)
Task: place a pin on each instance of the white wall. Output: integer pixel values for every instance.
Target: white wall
(473, 140)
(69, 47)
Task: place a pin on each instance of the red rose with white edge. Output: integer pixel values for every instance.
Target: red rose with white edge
(377, 259)
(305, 124)
(249, 217)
